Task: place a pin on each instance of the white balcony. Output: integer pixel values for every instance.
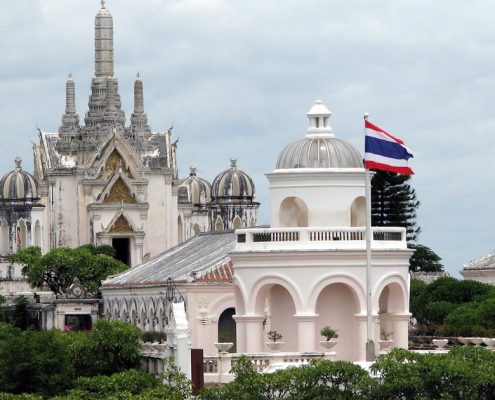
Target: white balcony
(345, 238)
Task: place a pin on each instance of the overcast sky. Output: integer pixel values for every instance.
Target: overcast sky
(237, 78)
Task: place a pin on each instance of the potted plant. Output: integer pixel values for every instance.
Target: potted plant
(275, 340)
(330, 336)
(386, 340)
(224, 342)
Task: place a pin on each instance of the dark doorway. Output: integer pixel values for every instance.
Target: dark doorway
(226, 328)
(122, 249)
(78, 322)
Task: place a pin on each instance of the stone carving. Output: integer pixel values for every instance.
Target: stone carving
(119, 193)
(121, 225)
(114, 162)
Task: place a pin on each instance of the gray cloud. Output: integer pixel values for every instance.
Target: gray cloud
(237, 77)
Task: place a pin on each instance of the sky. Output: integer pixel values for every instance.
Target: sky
(236, 77)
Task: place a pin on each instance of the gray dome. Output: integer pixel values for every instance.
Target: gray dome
(199, 189)
(319, 148)
(18, 185)
(233, 184)
(320, 152)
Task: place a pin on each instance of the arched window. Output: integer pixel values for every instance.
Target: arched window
(227, 328)
(37, 234)
(358, 215)
(196, 229)
(219, 224)
(21, 234)
(4, 237)
(237, 222)
(180, 230)
(293, 213)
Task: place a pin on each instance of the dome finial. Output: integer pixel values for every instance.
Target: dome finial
(103, 3)
(192, 170)
(18, 162)
(319, 120)
(233, 162)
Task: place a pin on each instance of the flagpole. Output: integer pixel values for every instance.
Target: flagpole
(370, 344)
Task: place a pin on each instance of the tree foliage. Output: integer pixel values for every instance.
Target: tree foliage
(449, 306)
(48, 363)
(424, 259)
(58, 268)
(394, 202)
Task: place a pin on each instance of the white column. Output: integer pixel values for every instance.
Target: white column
(362, 336)
(254, 332)
(306, 332)
(240, 328)
(400, 327)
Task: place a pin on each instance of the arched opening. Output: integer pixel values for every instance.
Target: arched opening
(293, 213)
(180, 230)
(252, 223)
(277, 304)
(336, 307)
(196, 229)
(4, 237)
(21, 234)
(227, 328)
(358, 212)
(219, 224)
(237, 222)
(391, 311)
(37, 234)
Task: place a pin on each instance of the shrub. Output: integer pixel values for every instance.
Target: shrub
(274, 336)
(329, 333)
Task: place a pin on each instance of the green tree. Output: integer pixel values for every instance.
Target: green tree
(58, 268)
(394, 203)
(108, 348)
(424, 259)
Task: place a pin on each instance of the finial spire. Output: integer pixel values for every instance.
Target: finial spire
(192, 170)
(18, 161)
(138, 95)
(103, 3)
(233, 162)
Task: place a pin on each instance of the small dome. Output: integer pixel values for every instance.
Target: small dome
(199, 189)
(319, 148)
(233, 184)
(18, 184)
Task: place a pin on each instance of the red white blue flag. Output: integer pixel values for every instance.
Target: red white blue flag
(384, 151)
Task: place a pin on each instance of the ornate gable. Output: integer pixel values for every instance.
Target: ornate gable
(114, 154)
(118, 190)
(121, 223)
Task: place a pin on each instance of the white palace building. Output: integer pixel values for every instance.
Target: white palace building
(104, 181)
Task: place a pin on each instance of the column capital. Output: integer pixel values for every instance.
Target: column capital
(306, 317)
(248, 318)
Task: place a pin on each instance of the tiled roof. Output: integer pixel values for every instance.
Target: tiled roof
(203, 258)
(481, 263)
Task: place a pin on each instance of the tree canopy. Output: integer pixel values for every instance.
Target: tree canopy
(449, 306)
(424, 259)
(58, 268)
(394, 202)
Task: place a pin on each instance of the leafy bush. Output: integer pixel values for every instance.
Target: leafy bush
(274, 336)
(328, 333)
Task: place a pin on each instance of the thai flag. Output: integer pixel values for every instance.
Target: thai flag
(384, 151)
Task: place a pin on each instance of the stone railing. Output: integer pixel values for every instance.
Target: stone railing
(152, 357)
(352, 238)
(217, 368)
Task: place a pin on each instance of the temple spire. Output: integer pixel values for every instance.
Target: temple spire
(70, 119)
(103, 42)
(70, 96)
(138, 95)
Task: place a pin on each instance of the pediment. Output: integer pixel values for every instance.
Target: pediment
(121, 223)
(114, 154)
(118, 190)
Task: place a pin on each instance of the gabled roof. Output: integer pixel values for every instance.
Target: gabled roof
(481, 263)
(203, 258)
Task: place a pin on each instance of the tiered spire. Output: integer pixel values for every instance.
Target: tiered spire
(139, 119)
(70, 120)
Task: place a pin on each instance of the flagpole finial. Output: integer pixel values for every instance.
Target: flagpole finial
(366, 115)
